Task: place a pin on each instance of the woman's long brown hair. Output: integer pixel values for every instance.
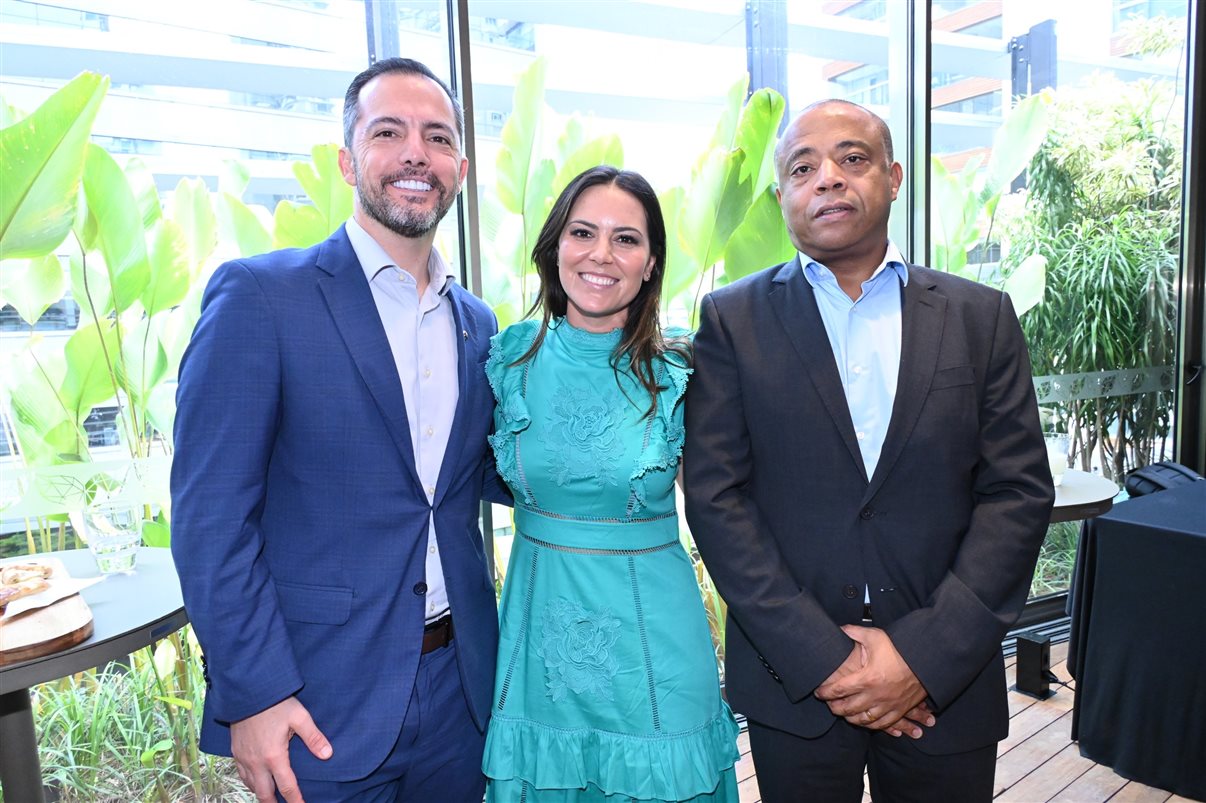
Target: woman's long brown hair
(642, 339)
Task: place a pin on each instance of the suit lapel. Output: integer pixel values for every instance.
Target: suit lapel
(795, 304)
(466, 330)
(343, 284)
(923, 311)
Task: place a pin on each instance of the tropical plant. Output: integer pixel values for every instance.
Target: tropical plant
(137, 271)
(723, 224)
(964, 205)
(1104, 209)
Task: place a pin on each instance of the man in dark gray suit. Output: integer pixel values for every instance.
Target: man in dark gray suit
(866, 479)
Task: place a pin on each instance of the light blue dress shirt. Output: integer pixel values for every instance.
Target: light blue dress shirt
(423, 338)
(865, 336)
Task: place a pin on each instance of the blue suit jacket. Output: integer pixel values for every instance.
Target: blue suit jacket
(299, 524)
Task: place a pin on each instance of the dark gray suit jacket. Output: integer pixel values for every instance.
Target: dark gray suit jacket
(945, 534)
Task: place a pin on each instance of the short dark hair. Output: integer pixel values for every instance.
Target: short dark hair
(642, 338)
(401, 66)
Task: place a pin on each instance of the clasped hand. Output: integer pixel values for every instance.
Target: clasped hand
(874, 688)
(260, 745)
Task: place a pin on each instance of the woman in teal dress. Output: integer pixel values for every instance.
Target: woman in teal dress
(606, 688)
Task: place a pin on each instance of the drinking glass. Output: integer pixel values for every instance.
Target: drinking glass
(1057, 455)
(113, 533)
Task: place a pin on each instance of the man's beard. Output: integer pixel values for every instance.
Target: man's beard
(405, 221)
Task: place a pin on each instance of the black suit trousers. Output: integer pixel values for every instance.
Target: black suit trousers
(829, 768)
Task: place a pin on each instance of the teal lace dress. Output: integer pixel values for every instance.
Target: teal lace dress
(606, 688)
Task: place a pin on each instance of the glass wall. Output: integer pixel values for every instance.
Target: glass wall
(1056, 134)
(225, 107)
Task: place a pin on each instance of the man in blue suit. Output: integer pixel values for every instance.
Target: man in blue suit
(330, 458)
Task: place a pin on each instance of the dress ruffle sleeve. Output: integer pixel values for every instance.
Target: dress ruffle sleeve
(511, 414)
(664, 446)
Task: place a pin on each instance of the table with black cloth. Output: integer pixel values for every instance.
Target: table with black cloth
(1138, 643)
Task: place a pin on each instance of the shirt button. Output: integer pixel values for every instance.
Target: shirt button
(421, 588)
(431, 490)
(862, 436)
(431, 550)
(430, 431)
(427, 373)
(849, 592)
(856, 370)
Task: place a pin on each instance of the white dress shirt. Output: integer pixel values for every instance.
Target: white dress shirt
(422, 336)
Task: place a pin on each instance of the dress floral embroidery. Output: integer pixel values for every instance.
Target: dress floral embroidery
(576, 647)
(606, 685)
(582, 434)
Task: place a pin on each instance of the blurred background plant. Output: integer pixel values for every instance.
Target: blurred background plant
(1103, 208)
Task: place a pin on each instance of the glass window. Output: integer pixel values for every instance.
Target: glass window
(1087, 237)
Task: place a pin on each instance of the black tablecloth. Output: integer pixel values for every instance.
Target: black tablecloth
(1138, 642)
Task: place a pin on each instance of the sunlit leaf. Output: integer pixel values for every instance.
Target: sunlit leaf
(517, 158)
(1015, 143)
(760, 241)
(41, 160)
(90, 284)
(119, 227)
(571, 139)
(31, 285)
(714, 206)
(606, 150)
(297, 226)
(757, 133)
(193, 211)
(239, 223)
(161, 410)
(42, 424)
(539, 201)
(682, 268)
(1026, 283)
(325, 186)
(170, 277)
(725, 134)
(91, 352)
(233, 177)
(143, 362)
(146, 194)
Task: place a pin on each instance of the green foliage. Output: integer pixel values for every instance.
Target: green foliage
(43, 155)
(31, 285)
(727, 199)
(129, 732)
(964, 205)
(1104, 210)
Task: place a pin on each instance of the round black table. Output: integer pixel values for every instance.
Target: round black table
(1081, 495)
(129, 612)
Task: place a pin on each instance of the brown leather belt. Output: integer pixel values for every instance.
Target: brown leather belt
(437, 634)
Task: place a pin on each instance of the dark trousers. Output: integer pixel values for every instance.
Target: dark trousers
(438, 755)
(829, 768)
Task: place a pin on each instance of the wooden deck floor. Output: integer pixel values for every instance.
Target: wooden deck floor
(1037, 763)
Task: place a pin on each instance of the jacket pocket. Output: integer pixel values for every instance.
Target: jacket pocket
(322, 605)
(953, 377)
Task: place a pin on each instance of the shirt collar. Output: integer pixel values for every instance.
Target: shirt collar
(373, 259)
(815, 272)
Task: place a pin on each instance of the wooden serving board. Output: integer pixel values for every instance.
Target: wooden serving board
(39, 632)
